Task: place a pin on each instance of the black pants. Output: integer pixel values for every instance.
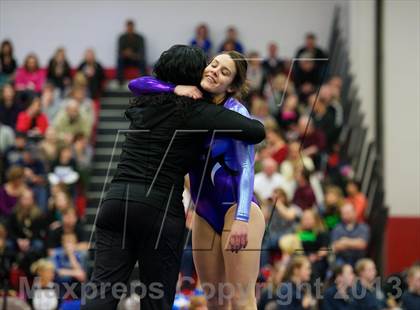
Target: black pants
(131, 232)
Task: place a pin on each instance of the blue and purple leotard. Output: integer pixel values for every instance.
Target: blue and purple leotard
(224, 175)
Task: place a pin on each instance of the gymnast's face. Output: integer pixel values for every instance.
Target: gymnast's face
(218, 75)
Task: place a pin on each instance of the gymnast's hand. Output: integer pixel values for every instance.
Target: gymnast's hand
(238, 237)
(188, 91)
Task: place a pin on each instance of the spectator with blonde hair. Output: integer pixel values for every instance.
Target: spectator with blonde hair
(26, 229)
(44, 296)
(93, 72)
(410, 299)
(369, 295)
(49, 147)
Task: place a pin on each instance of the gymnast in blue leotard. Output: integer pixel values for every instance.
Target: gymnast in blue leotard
(222, 189)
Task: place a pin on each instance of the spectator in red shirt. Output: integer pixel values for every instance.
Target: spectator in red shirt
(30, 76)
(357, 199)
(32, 121)
(304, 196)
(313, 140)
(276, 144)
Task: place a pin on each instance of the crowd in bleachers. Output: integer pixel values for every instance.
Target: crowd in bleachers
(47, 119)
(314, 209)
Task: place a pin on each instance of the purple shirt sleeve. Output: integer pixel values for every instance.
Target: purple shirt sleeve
(149, 85)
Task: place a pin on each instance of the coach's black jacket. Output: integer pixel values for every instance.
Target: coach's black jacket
(167, 135)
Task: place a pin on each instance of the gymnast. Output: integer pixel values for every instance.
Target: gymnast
(228, 226)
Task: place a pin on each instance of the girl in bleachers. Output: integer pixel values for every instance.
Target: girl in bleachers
(30, 77)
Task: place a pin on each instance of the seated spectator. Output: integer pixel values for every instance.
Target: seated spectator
(280, 221)
(334, 200)
(259, 109)
(356, 198)
(11, 191)
(268, 179)
(324, 119)
(331, 95)
(7, 139)
(276, 144)
(368, 294)
(231, 42)
(32, 121)
(82, 154)
(306, 77)
(70, 122)
(50, 101)
(30, 77)
(131, 51)
(44, 294)
(410, 299)
(59, 202)
(304, 196)
(14, 153)
(35, 175)
(49, 147)
(314, 241)
(64, 169)
(312, 139)
(338, 168)
(78, 93)
(68, 260)
(69, 225)
(276, 90)
(294, 292)
(288, 115)
(349, 239)
(273, 65)
(94, 73)
(295, 162)
(8, 63)
(311, 50)
(9, 106)
(335, 84)
(59, 70)
(255, 73)
(26, 230)
(202, 39)
(339, 296)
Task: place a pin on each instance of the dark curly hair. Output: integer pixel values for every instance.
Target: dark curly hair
(181, 65)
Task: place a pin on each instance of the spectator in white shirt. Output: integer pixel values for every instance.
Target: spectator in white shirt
(268, 179)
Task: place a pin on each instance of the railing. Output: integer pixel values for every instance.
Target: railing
(356, 149)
